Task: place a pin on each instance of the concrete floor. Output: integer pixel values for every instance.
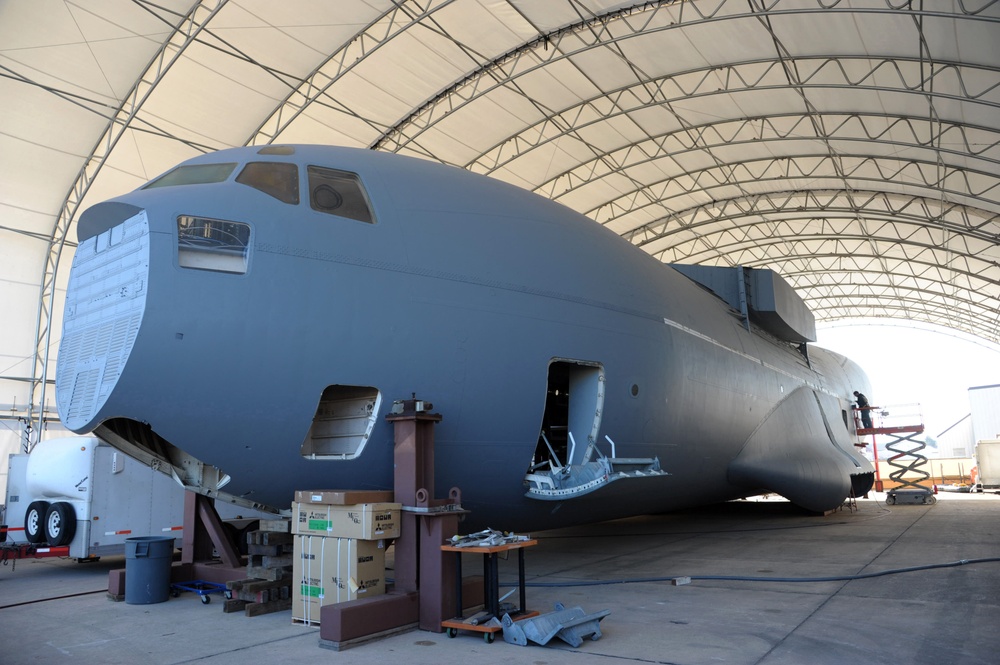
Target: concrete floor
(54, 611)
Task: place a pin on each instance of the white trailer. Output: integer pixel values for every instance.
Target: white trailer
(81, 494)
(987, 465)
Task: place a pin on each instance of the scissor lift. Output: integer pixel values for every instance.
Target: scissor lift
(907, 460)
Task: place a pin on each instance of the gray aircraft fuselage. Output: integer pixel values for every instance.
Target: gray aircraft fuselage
(244, 313)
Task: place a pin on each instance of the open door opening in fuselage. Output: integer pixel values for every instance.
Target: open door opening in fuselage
(568, 463)
(343, 422)
(574, 402)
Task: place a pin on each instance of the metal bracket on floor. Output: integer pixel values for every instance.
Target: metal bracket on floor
(569, 625)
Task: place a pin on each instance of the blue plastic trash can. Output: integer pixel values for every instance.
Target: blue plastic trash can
(147, 569)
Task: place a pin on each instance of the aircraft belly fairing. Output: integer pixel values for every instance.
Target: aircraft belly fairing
(267, 339)
(794, 453)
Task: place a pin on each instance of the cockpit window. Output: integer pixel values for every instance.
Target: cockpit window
(338, 193)
(212, 244)
(193, 174)
(273, 178)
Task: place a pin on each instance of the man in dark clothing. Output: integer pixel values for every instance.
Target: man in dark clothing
(864, 408)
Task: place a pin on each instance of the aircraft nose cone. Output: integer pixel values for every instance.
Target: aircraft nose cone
(105, 303)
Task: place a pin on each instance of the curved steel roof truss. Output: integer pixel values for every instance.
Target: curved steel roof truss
(851, 145)
(182, 36)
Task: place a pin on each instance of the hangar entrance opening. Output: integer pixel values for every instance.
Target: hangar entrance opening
(574, 401)
(343, 422)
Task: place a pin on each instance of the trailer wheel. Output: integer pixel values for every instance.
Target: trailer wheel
(34, 518)
(60, 524)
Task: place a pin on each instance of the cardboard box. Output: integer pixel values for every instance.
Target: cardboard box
(334, 570)
(365, 521)
(344, 497)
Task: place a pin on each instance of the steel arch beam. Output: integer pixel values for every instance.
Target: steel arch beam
(849, 244)
(596, 32)
(185, 33)
(604, 31)
(908, 174)
(921, 212)
(656, 148)
(403, 15)
(629, 156)
(653, 92)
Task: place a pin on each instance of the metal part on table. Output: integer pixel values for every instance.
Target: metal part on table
(487, 538)
(434, 510)
(569, 625)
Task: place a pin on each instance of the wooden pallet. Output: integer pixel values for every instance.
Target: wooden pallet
(254, 609)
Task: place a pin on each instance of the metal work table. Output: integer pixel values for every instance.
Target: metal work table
(491, 588)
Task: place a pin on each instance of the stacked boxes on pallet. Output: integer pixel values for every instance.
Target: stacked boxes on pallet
(339, 540)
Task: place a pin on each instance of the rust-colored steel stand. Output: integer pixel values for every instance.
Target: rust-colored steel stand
(419, 594)
(413, 456)
(437, 592)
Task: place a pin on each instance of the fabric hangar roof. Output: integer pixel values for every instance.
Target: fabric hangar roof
(852, 146)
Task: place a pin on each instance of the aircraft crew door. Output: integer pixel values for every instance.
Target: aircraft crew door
(574, 403)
